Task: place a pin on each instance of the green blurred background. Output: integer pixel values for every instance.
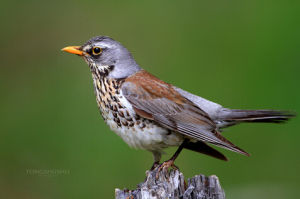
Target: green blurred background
(241, 54)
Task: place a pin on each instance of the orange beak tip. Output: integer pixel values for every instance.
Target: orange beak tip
(73, 50)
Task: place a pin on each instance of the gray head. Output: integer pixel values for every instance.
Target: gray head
(106, 55)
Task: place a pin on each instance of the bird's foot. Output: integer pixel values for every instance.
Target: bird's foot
(155, 164)
(166, 165)
(153, 167)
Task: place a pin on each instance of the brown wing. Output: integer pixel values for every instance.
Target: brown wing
(158, 101)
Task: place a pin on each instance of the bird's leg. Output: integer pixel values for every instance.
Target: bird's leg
(170, 163)
(156, 157)
(154, 165)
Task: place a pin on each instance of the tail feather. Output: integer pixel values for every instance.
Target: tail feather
(268, 116)
(201, 147)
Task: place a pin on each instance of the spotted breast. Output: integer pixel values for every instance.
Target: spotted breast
(119, 115)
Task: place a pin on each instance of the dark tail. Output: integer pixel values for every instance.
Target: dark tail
(268, 116)
(201, 147)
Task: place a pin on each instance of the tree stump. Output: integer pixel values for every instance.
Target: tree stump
(171, 185)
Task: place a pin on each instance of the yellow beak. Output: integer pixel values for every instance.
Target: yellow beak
(73, 50)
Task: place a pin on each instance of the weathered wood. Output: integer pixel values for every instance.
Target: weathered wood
(171, 185)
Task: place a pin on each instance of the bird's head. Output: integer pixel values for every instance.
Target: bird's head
(107, 56)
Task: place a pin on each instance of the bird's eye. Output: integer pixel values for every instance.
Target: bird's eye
(97, 51)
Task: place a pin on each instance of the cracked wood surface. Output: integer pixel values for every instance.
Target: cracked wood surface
(171, 185)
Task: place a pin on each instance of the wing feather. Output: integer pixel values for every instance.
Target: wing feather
(157, 100)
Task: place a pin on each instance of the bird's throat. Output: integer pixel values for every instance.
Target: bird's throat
(101, 71)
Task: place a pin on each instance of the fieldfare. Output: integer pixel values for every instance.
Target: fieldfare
(148, 113)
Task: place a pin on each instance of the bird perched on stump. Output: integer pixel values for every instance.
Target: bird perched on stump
(148, 113)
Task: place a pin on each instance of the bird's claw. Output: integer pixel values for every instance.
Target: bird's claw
(155, 165)
(166, 165)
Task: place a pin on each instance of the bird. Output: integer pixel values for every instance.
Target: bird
(150, 114)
